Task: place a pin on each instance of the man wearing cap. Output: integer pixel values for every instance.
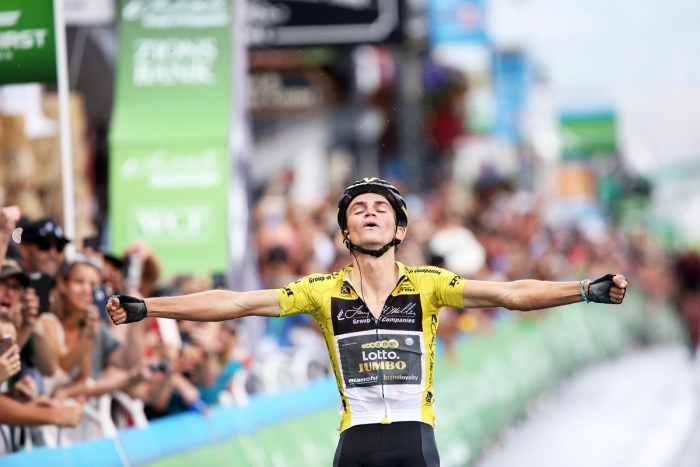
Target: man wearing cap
(21, 304)
(42, 245)
(379, 319)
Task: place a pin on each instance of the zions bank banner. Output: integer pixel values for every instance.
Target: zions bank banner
(169, 159)
(27, 41)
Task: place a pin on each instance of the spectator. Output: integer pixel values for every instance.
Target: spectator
(42, 247)
(9, 357)
(21, 405)
(88, 347)
(687, 296)
(39, 348)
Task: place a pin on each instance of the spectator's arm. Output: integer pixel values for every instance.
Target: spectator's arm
(77, 353)
(9, 216)
(118, 380)
(30, 312)
(77, 387)
(47, 348)
(37, 413)
(150, 266)
(159, 396)
(130, 354)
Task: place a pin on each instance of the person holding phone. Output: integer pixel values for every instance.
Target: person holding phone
(10, 364)
(39, 348)
(20, 403)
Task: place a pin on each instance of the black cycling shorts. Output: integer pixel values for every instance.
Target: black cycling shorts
(402, 444)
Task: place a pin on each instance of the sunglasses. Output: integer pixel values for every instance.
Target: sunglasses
(16, 287)
(45, 245)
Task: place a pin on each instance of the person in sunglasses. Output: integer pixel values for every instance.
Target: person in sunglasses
(42, 247)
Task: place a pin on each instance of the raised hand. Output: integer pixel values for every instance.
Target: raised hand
(9, 363)
(608, 289)
(126, 309)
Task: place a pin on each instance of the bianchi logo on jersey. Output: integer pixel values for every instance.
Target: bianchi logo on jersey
(370, 359)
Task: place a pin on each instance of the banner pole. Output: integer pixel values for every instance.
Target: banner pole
(64, 127)
(242, 273)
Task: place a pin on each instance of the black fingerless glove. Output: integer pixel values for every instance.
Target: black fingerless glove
(135, 307)
(599, 289)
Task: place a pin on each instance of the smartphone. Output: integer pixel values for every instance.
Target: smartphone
(6, 343)
(99, 298)
(42, 284)
(162, 366)
(218, 281)
(92, 243)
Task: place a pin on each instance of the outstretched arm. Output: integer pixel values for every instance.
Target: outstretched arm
(213, 305)
(527, 295)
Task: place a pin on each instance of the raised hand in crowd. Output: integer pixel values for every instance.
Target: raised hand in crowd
(148, 269)
(24, 390)
(10, 363)
(9, 216)
(90, 322)
(29, 315)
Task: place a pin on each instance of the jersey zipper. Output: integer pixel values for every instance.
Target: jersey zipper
(376, 331)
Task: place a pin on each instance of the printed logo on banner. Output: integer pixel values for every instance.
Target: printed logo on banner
(174, 60)
(172, 224)
(168, 14)
(163, 169)
(370, 359)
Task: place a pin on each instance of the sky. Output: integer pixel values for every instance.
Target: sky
(638, 57)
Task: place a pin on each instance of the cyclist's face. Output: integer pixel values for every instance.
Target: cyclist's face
(372, 221)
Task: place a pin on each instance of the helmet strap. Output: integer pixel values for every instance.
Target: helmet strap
(365, 251)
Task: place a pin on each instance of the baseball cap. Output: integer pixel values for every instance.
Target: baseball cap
(11, 268)
(45, 232)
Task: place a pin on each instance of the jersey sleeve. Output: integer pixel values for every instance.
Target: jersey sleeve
(449, 288)
(300, 297)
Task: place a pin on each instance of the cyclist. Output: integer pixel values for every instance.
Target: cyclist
(379, 319)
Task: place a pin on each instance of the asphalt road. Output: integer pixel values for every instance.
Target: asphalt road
(639, 410)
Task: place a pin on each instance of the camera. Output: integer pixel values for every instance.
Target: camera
(160, 367)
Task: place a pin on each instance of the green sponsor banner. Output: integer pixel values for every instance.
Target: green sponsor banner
(586, 134)
(169, 166)
(27, 41)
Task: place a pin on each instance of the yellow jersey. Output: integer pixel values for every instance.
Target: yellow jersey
(383, 367)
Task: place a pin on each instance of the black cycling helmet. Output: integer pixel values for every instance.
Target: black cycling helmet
(372, 185)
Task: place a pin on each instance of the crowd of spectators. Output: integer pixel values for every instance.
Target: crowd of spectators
(63, 352)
